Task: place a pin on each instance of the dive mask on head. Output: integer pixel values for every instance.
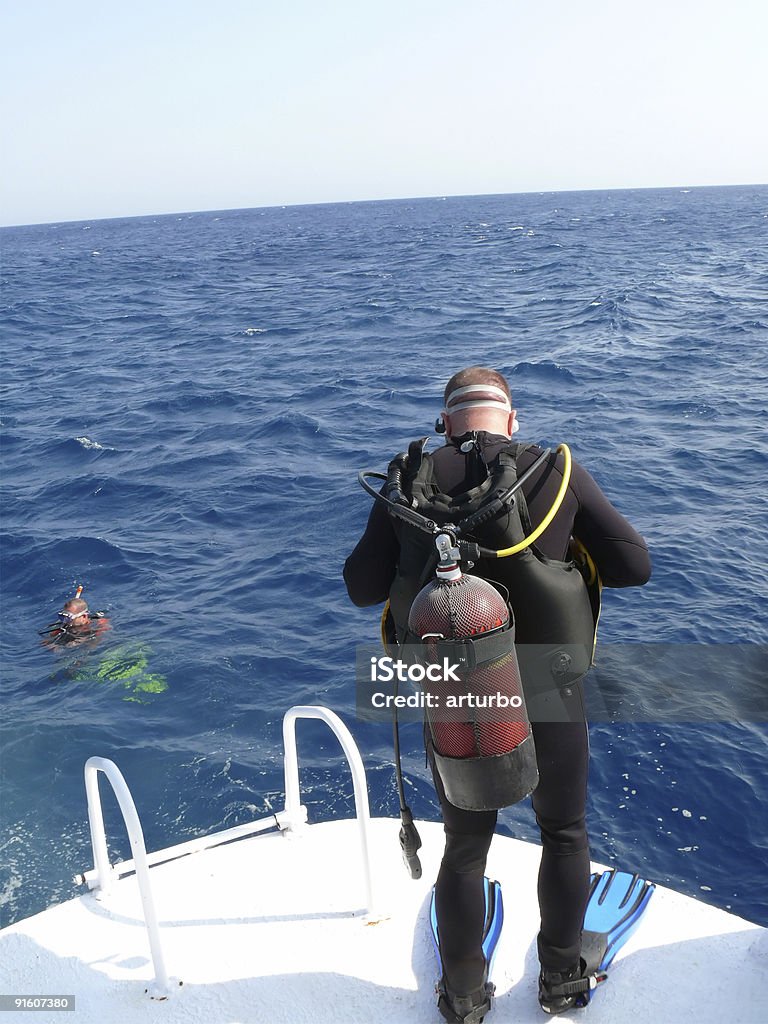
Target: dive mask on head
(440, 425)
(67, 617)
(477, 396)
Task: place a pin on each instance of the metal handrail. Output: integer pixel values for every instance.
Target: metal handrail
(94, 765)
(290, 819)
(293, 807)
(278, 820)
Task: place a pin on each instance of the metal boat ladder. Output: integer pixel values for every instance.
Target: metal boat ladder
(292, 818)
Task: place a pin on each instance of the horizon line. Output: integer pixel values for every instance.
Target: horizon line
(393, 199)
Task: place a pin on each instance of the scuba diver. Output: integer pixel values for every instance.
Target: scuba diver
(124, 666)
(537, 527)
(75, 624)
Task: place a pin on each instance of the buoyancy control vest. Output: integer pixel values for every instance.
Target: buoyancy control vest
(554, 617)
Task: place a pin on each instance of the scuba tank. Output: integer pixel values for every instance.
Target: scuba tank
(479, 729)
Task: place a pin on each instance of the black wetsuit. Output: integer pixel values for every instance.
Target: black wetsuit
(562, 747)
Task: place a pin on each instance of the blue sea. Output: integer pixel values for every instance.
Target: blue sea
(186, 402)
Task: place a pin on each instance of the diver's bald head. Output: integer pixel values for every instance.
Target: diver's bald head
(76, 607)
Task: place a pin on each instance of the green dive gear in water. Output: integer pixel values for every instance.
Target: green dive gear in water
(127, 665)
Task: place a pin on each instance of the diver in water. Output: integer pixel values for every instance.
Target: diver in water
(125, 666)
(75, 624)
(389, 563)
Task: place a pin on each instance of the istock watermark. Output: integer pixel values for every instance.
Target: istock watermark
(446, 702)
(411, 684)
(385, 670)
(630, 682)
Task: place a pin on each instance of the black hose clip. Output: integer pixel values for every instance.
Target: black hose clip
(394, 490)
(469, 552)
(410, 842)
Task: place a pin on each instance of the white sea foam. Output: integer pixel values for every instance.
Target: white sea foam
(86, 442)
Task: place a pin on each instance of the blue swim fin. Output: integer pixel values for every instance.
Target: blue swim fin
(617, 902)
(494, 919)
(471, 1010)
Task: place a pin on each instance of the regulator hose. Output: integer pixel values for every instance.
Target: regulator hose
(535, 534)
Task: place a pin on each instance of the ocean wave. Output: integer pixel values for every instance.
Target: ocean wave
(189, 398)
(289, 428)
(545, 370)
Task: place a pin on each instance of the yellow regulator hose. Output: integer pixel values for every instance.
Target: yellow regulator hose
(527, 541)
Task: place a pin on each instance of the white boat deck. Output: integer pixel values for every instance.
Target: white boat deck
(272, 928)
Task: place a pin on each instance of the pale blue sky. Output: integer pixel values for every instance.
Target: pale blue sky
(160, 106)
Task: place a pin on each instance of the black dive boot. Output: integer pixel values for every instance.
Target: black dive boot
(561, 990)
(469, 1009)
